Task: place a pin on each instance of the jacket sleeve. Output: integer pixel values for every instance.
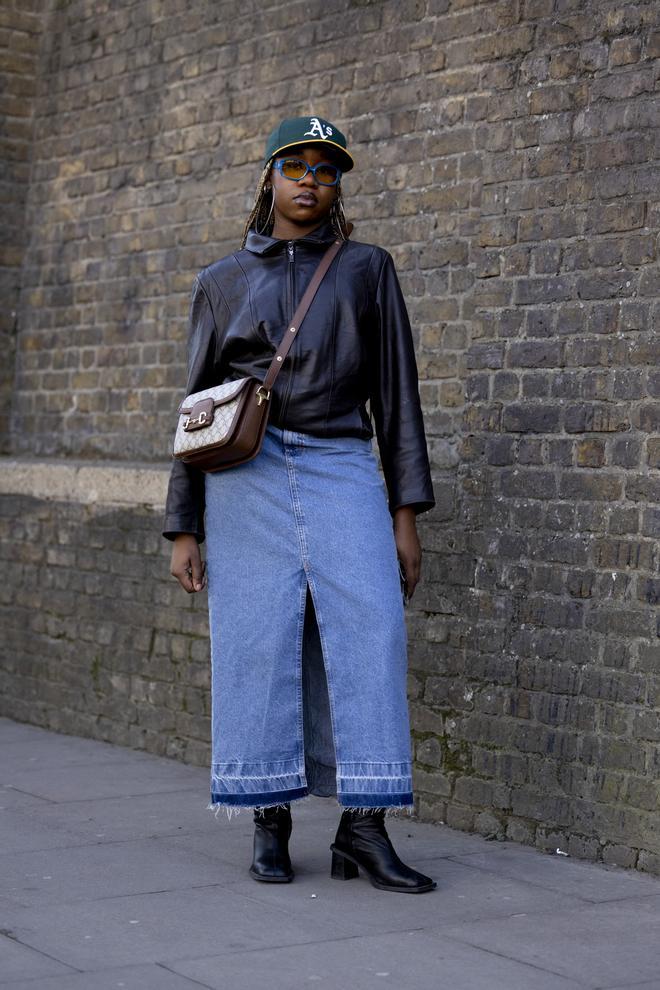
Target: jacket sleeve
(394, 399)
(185, 503)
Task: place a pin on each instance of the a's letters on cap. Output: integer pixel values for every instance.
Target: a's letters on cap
(317, 129)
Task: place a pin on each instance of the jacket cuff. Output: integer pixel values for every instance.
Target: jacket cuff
(423, 505)
(174, 524)
(415, 490)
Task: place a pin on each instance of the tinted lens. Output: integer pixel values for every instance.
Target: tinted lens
(292, 168)
(327, 174)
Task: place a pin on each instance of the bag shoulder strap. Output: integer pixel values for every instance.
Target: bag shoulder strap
(294, 326)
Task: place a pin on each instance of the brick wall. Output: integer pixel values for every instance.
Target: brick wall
(507, 155)
(98, 641)
(21, 22)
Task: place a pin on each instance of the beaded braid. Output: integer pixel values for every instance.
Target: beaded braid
(260, 214)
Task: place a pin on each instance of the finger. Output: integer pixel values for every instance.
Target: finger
(186, 580)
(413, 569)
(405, 584)
(197, 574)
(180, 576)
(407, 569)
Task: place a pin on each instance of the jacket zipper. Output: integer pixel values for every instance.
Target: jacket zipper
(290, 250)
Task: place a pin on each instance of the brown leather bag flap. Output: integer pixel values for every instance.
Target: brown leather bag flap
(201, 415)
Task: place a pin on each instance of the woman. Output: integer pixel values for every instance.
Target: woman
(306, 546)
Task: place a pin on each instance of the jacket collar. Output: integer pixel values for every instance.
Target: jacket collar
(264, 244)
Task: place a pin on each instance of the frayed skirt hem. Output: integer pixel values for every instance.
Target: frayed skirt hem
(391, 804)
(253, 799)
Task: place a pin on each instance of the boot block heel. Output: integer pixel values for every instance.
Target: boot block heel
(342, 868)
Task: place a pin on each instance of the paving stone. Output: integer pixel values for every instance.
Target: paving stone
(85, 781)
(19, 961)
(159, 927)
(552, 872)
(410, 959)
(150, 977)
(103, 869)
(599, 945)
(115, 818)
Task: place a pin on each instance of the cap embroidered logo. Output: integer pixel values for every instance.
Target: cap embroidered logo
(317, 128)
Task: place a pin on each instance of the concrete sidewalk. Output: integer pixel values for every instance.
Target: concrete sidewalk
(114, 874)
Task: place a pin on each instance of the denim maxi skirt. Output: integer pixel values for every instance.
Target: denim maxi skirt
(307, 628)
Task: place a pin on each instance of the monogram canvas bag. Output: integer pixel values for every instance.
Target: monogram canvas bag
(224, 425)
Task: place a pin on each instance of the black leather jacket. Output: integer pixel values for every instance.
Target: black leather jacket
(354, 345)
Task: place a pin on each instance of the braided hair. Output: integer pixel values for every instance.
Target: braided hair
(262, 218)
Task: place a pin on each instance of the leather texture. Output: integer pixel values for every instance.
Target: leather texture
(355, 347)
(362, 841)
(270, 857)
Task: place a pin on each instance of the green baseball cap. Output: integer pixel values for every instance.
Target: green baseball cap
(308, 130)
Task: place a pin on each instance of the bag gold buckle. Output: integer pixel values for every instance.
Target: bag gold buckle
(263, 393)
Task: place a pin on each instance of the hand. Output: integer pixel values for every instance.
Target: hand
(186, 563)
(408, 547)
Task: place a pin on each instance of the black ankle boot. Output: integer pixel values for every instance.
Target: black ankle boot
(271, 861)
(362, 840)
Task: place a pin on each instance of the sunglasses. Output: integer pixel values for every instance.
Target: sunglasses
(296, 169)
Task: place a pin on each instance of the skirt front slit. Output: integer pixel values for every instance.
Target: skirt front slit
(307, 626)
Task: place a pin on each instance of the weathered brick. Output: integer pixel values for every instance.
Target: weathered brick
(590, 453)
(543, 290)
(653, 452)
(548, 226)
(604, 218)
(528, 484)
(498, 231)
(647, 417)
(535, 354)
(532, 418)
(535, 385)
(593, 418)
(581, 485)
(485, 355)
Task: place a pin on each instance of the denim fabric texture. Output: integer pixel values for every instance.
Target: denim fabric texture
(307, 625)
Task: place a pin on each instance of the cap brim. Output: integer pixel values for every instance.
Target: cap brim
(345, 159)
